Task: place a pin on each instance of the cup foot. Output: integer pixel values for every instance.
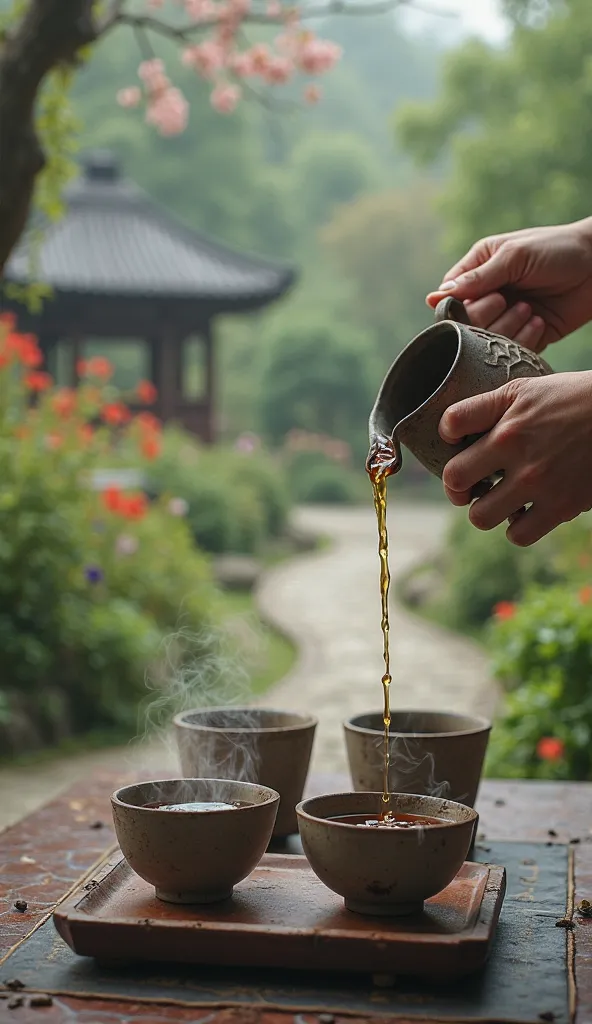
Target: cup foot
(384, 909)
(193, 897)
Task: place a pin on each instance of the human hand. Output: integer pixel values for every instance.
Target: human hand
(534, 286)
(540, 436)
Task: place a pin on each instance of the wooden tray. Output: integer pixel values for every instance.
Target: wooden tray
(282, 916)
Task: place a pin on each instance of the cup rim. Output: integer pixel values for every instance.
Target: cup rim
(303, 813)
(481, 724)
(117, 801)
(308, 721)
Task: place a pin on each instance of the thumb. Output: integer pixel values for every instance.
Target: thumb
(475, 415)
(491, 276)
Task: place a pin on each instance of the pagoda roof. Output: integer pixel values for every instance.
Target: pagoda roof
(113, 240)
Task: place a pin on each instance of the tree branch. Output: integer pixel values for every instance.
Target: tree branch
(50, 33)
(184, 33)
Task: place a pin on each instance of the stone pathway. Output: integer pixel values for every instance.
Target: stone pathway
(328, 603)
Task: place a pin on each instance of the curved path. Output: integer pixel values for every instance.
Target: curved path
(328, 603)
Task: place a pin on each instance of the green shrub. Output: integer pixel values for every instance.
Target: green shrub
(543, 654)
(484, 568)
(315, 478)
(236, 500)
(90, 583)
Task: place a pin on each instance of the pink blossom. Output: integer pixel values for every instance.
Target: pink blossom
(201, 10)
(316, 56)
(206, 58)
(279, 70)
(126, 544)
(239, 8)
(241, 64)
(312, 94)
(152, 74)
(168, 111)
(274, 9)
(225, 97)
(260, 58)
(129, 97)
(178, 507)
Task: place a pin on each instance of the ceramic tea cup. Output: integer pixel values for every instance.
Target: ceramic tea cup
(194, 856)
(449, 361)
(383, 871)
(262, 745)
(431, 752)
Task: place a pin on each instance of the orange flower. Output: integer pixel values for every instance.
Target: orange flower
(38, 381)
(112, 499)
(504, 610)
(146, 421)
(53, 441)
(550, 749)
(151, 447)
(585, 594)
(146, 392)
(134, 507)
(115, 414)
(97, 367)
(86, 433)
(64, 402)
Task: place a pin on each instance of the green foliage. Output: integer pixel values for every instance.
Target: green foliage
(90, 584)
(544, 654)
(511, 120)
(483, 569)
(317, 377)
(316, 479)
(331, 170)
(236, 500)
(388, 245)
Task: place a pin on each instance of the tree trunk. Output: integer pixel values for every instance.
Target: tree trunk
(50, 33)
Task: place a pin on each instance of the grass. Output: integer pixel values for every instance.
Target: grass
(276, 654)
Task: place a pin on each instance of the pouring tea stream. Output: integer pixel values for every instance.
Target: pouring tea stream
(446, 363)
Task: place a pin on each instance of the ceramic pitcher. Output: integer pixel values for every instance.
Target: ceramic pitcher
(446, 363)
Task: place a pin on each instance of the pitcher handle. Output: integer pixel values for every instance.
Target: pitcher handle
(452, 309)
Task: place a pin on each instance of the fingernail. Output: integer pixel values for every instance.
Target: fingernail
(447, 286)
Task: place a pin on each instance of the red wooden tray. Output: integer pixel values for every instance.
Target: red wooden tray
(282, 916)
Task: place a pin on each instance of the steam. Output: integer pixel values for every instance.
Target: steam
(412, 769)
(201, 671)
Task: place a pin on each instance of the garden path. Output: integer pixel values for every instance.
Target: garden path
(328, 603)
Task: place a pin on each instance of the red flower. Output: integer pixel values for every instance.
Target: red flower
(115, 414)
(146, 421)
(151, 447)
(98, 367)
(550, 749)
(64, 402)
(146, 392)
(112, 499)
(134, 507)
(25, 348)
(585, 594)
(38, 381)
(504, 610)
